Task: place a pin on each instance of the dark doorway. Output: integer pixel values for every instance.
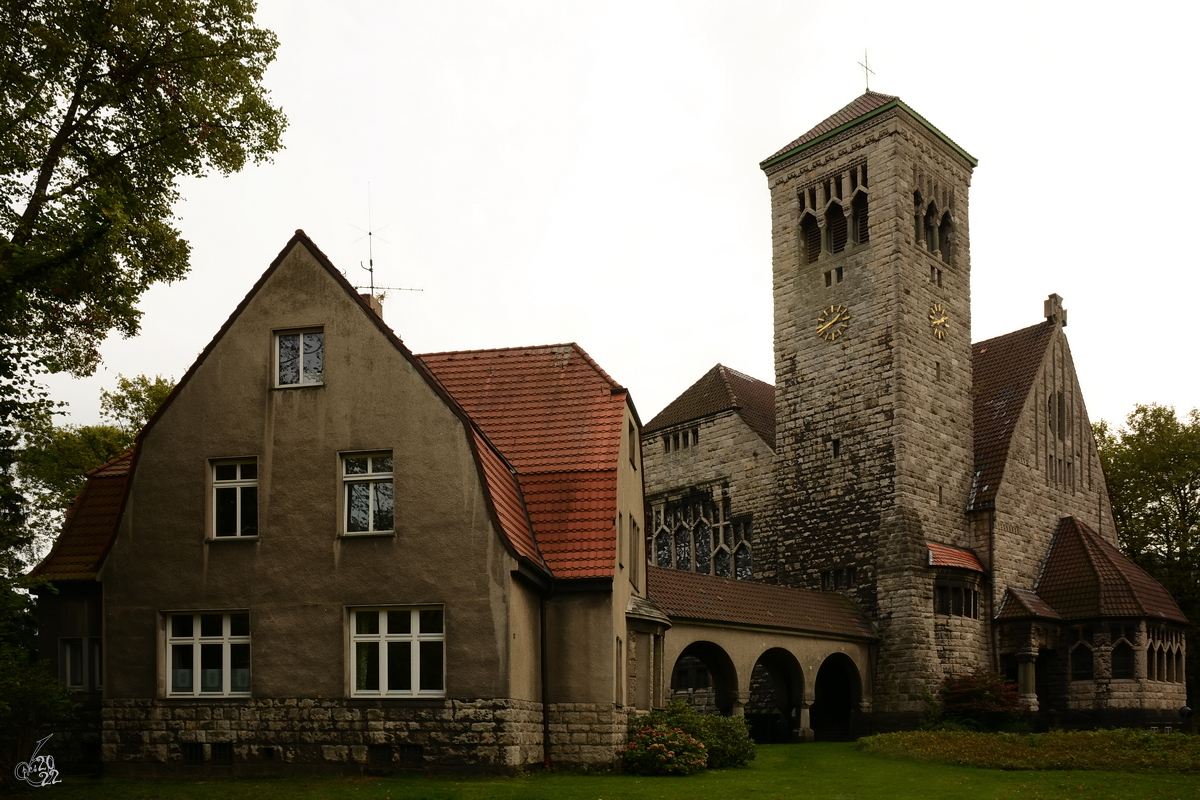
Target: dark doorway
(776, 686)
(836, 695)
(704, 677)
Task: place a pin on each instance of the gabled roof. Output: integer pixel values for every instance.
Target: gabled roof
(723, 389)
(557, 418)
(858, 110)
(943, 555)
(500, 484)
(707, 598)
(89, 525)
(1003, 370)
(1085, 576)
(1024, 604)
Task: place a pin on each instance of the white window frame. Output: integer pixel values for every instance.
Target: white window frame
(371, 478)
(381, 637)
(226, 640)
(305, 378)
(238, 484)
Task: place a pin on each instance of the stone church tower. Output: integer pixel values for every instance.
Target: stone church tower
(873, 459)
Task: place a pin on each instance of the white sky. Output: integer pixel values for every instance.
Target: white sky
(588, 171)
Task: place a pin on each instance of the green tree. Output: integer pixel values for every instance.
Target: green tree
(131, 404)
(1153, 471)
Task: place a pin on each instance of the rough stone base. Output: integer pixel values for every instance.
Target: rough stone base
(285, 735)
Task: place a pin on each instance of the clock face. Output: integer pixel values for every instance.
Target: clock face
(833, 322)
(939, 320)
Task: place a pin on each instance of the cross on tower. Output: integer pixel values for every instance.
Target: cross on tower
(867, 71)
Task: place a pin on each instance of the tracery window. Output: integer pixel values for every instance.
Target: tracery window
(698, 534)
(1122, 660)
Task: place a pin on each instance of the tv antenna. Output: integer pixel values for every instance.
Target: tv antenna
(370, 268)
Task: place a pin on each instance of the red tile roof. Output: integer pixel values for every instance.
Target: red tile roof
(90, 524)
(1024, 604)
(1003, 369)
(706, 598)
(1085, 576)
(723, 389)
(943, 555)
(557, 418)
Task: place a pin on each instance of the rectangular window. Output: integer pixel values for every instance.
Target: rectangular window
(369, 501)
(80, 664)
(235, 498)
(300, 358)
(397, 652)
(208, 654)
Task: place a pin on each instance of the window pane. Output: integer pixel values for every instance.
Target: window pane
(383, 506)
(314, 357)
(399, 622)
(358, 506)
(366, 622)
(181, 625)
(210, 667)
(181, 667)
(743, 564)
(225, 472)
(399, 666)
(723, 565)
(663, 548)
(431, 665)
(249, 511)
(431, 621)
(97, 664)
(239, 667)
(366, 673)
(381, 464)
(211, 625)
(355, 466)
(239, 624)
(226, 524)
(249, 472)
(289, 359)
(73, 650)
(703, 553)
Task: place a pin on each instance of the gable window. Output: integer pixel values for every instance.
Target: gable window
(368, 497)
(235, 498)
(398, 652)
(208, 654)
(300, 358)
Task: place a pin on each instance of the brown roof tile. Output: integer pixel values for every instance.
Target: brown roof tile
(706, 598)
(943, 555)
(1085, 576)
(557, 419)
(1024, 604)
(723, 389)
(90, 524)
(863, 104)
(1003, 370)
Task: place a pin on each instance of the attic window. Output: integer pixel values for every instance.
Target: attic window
(300, 358)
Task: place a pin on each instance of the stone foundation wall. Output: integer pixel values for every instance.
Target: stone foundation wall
(273, 735)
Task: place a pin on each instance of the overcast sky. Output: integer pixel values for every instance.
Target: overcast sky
(588, 171)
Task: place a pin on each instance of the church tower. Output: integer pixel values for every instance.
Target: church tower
(871, 277)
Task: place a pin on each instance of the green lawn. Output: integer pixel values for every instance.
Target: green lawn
(781, 771)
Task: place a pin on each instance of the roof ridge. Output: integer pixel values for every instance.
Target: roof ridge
(533, 347)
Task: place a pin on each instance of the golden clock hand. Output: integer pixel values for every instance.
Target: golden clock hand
(825, 327)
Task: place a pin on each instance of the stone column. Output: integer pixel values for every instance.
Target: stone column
(805, 732)
(1026, 678)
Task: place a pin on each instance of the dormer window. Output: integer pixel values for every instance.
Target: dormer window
(300, 358)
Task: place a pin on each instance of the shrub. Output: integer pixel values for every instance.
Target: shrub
(727, 739)
(659, 750)
(980, 699)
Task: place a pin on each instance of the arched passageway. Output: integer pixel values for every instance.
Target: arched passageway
(837, 693)
(776, 689)
(704, 677)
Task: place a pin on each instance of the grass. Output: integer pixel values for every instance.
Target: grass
(837, 771)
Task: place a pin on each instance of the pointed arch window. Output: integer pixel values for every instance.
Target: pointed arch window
(859, 212)
(946, 237)
(810, 236)
(1122, 661)
(836, 224)
(1082, 668)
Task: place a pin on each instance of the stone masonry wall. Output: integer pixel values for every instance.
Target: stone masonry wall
(151, 736)
(874, 428)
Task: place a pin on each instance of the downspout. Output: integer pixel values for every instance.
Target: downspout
(545, 690)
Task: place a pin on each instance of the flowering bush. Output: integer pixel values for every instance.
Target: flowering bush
(726, 739)
(659, 750)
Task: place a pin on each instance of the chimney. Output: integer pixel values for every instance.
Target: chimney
(375, 303)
